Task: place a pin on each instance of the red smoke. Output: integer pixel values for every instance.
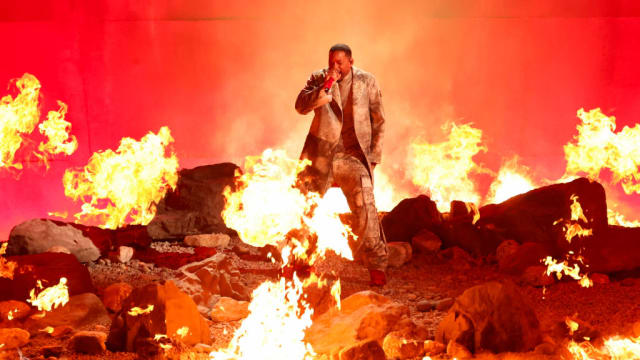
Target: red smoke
(223, 76)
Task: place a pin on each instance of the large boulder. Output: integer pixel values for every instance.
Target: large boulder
(49, 268)
(364, 316)
(196, 205)
(615, 249)
(493, 317)
(409, 217)
(39, 235)
(163, 309)
(12, 338)
(533, 216)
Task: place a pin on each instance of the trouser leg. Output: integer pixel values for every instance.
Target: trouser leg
(354, 180)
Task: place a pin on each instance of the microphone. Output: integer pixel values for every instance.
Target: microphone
(328, 83)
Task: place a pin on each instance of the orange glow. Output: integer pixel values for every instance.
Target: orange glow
(6, 267)
(124, 186)
(573, 228)
(443, 168)
(615, 218)
(563, 268)
(51, 297)
(135, 311)
(57, 129)
(614, 348)
(48, 330)
(183, 331)
(512, 180)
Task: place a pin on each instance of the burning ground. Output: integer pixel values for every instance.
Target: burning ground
(205, 262)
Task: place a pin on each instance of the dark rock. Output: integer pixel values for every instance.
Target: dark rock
(458, 258)
(172, 310)
(399, 253)
(114, 295)
(615, 249)
(173, 260)
(81, 310)
(537, 276)
(426, 305)
(51, 351)
(396, 346)
(364, 350)
(88, 342)
(444, 304)
(426, 241)
(506, 249)
(196, 205)
(462, 212)
(530, 217)
(49, 268)
(409, 217)
(526, 255)
(494, 317)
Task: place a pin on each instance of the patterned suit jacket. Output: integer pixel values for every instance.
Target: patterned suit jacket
(324, 134)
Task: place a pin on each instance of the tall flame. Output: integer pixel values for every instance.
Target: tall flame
(51, 297)
(598, 147)
(512, 180)
(124, 186)
(56, 129)
(553, 266)
(443, 168)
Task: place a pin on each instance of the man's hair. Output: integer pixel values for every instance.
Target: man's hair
(341, 47)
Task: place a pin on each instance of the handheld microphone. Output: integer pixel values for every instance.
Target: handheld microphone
(328, 83)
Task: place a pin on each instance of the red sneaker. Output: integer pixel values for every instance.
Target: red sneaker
(378, 278)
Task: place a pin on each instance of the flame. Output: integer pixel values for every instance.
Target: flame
(10, 314)
(443, 168)
(275, 327)
(386, 196)
(183, 331)
(563, 268)
(336, 289)
(512, 180)
(615, 218)
(573, 228)
(48, 330)
(572, 325)
(51, 297)
(265, 207)
(598, 147)
(56, 129)
(18, 119)
(135, 311)
(614, 348)
(126, 183)
(6, 267)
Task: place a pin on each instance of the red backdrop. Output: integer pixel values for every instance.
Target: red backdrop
(224, 75)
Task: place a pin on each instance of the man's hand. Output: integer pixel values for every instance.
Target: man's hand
(333, 73)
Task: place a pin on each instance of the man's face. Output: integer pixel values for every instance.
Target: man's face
(340, 61)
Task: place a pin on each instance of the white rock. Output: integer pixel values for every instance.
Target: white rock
(125, 253)
(208, 240)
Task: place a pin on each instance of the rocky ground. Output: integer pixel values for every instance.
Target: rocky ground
(427, 284)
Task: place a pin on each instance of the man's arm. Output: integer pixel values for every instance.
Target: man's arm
(312, 95)
(376, 112)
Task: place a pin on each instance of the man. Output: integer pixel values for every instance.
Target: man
(344, 145)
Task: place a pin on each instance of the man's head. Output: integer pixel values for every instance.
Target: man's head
(340, 58)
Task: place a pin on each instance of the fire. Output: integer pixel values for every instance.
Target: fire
(56, 129)
(615, 218)
(572, 325)
(126, 183)
(573, 228)
(19, 117)
(48, 330)
(443, 168)
(183, 331)
(135, 311)
(266, 206)
(275, 327)
(10, 314)
(563, 268)
(336, 289)
(598, 147)
(614, 348)
(512, 180)
(51, 297)
(6, 267)
(386, 196)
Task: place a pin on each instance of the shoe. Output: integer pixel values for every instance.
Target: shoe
(378, 278)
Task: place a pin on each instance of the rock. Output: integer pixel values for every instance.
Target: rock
(174, 260)
(88, 342)
(59, 249)
(169, 312)
(411, 296)
(49, 268)
(629, 282)
(51, 351)
(457, 257)
(216, 275)
(426, 305)
(228, 309)
(433, 348)
(14, 310)
(38, 235)
(537, 276)
(599, 279)
(399, 253)
(463, 212)
(460, 232)
(616, 249)
(125, 253)
(409, 217)
(365, 315)
(506, 249)
(195, 206)
(364, 350)
(395, 346)
(60, 331)
(426, 242)
(208, 240)
(546, 349)
(81, 310)
(494, 317)
(115, 294)
(530, 217)
(13, 338)
(458, 351)
(526, 255)
(444, 304)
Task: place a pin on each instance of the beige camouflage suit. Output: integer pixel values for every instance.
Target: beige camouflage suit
(344, 139)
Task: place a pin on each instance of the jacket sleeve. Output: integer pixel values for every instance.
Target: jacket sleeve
(376, 112)
(308, 96)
